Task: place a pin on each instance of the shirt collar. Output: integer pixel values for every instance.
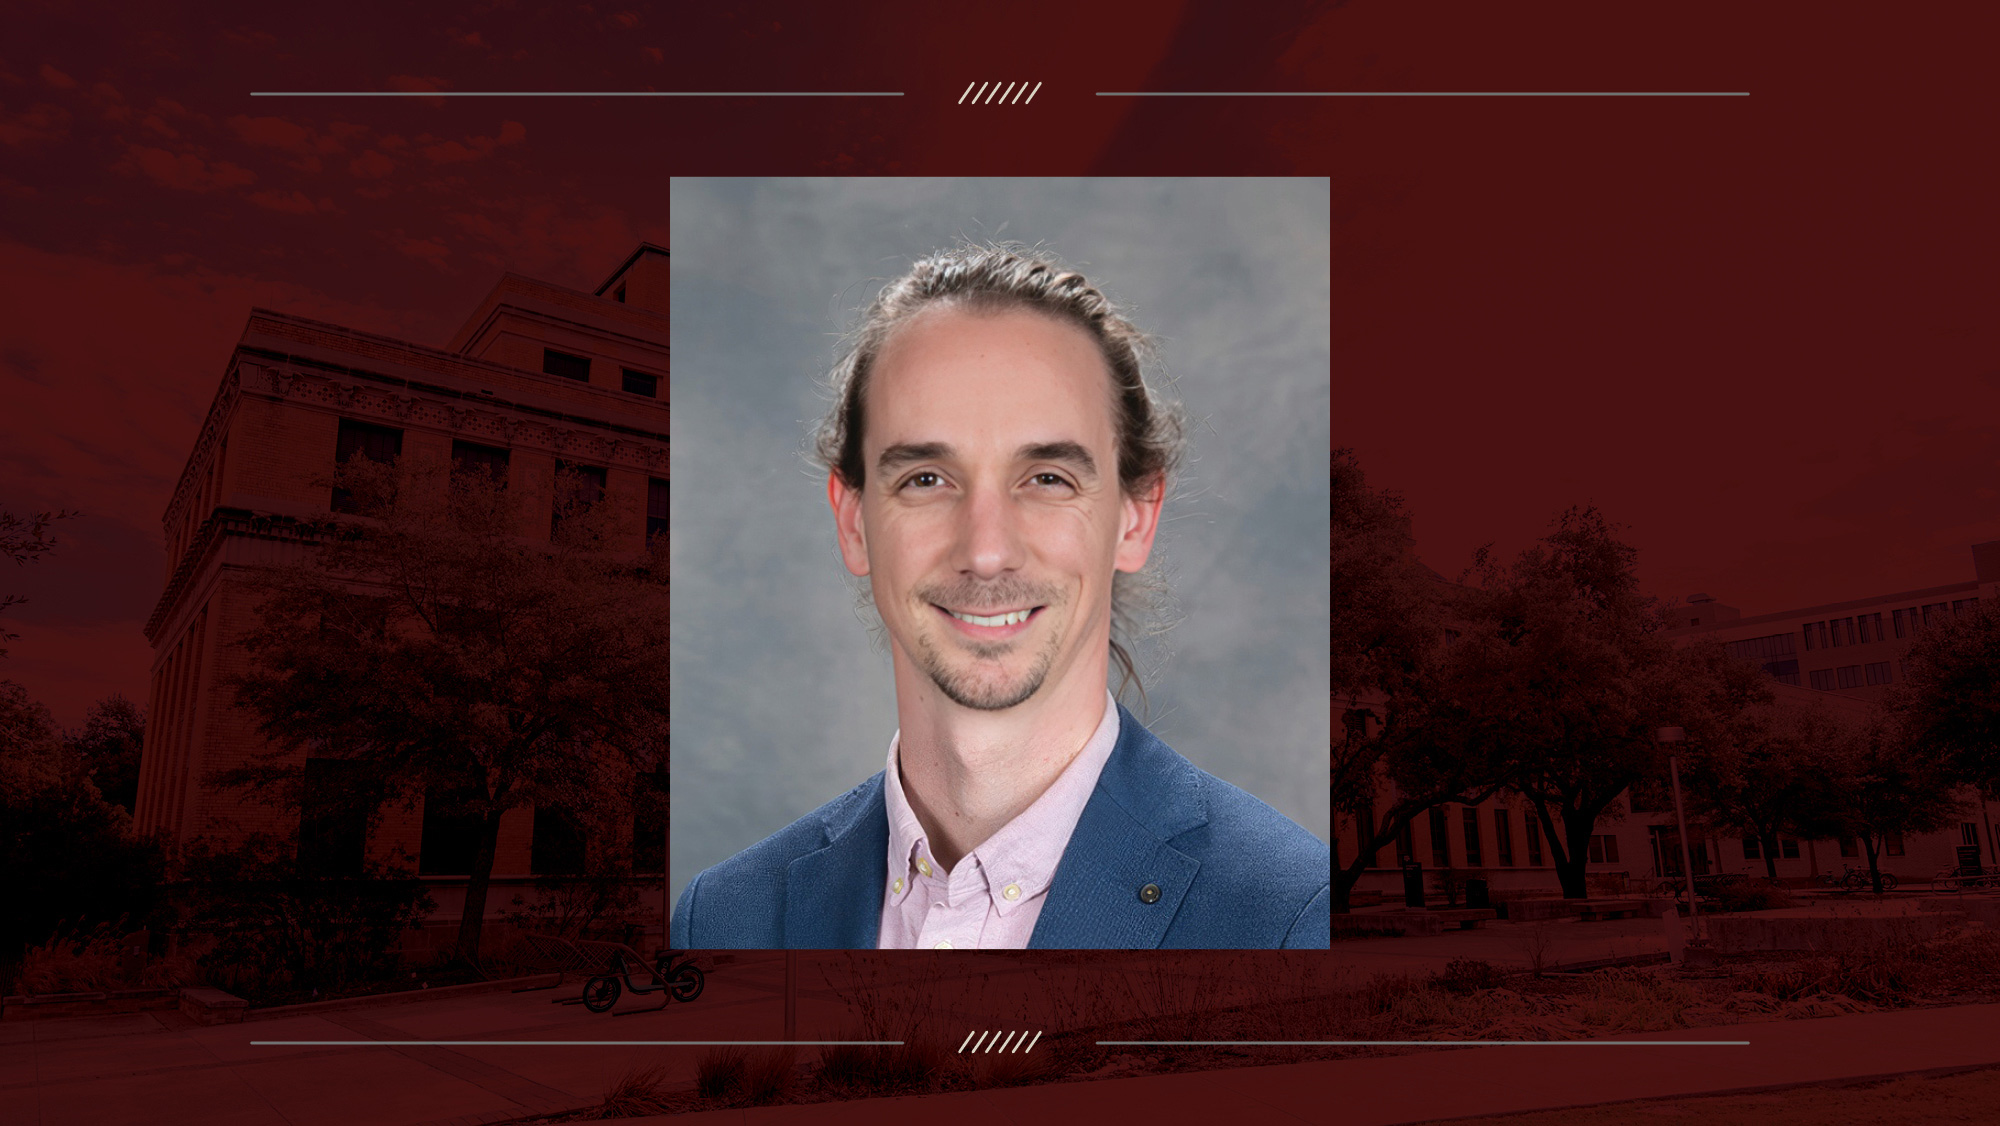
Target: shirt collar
(1024, 852)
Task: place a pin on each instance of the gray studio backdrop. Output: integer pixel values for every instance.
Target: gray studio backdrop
(781, 700)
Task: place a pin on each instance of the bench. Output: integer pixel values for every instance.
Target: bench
(1467, 918)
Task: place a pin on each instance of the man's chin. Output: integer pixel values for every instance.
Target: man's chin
(986, 694)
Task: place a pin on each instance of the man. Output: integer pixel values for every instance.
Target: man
(996, 470)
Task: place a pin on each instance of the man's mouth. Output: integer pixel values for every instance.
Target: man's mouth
(1004, 618)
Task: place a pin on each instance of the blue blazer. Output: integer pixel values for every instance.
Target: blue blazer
(1231, 872)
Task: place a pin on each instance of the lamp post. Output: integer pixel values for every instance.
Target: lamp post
(1676, 735)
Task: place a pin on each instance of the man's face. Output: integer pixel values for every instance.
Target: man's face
(991, 519)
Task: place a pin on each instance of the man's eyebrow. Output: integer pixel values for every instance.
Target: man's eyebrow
(1071, 452)
(903, 453)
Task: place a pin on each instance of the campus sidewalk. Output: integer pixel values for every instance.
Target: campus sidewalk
(1449, 1083)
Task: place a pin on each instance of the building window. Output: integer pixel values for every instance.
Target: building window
(1752, 849)
(640, 383)
(1840, 631)
(1440, 836)
(1877, 672)
(618, 294)
(657, 509)
(1849, 676)
(381, 444)
(565, 365)
(333, 818)
(1892, 843)
(1473, 854)
(1603, 849)
(1935, 612)
(451, 833)
(1788, 848)
(1821, 679)
(578, 488)
(559, 847)
(1905, 622)
(1848, 847)
(1503, 838)
(1963, 606)
(1871, 627)
(1534, 829)
(1968, 833)
(489, 462)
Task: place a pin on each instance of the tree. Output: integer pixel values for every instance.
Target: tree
(113, 733)
(1890, 786)
(67, 857)
(1390, 677)
(25, 539)
(453, 662)
(1767, 774)
(1568, 677)
(1949, 700)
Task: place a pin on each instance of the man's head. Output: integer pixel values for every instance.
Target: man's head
(996, 467)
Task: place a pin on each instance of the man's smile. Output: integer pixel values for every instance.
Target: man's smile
(989, 626)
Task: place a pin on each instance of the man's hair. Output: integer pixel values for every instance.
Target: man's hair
(1151, 430)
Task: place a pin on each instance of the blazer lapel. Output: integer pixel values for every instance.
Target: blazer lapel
(833, 896)
(1100, 898)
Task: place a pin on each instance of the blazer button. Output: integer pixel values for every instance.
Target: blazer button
(1149, 894)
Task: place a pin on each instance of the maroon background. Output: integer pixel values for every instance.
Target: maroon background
(1759, 331)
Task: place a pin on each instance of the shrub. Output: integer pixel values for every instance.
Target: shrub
(635, 1094)
(719, 1072)
(1467, 975)
(73, 963)
(767, 1077)
(281, 933)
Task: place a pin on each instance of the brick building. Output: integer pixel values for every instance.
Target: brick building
(1844, 655)
(538, 376)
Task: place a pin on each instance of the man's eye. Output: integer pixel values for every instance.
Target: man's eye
(924, 480)
(1055, 480)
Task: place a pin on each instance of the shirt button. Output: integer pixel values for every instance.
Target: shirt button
(1011, 891)
(1149, 894)
(897, 887)
(923, 866)
(945, 945)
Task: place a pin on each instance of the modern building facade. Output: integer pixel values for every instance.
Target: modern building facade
(1841, 655)
(540, 376)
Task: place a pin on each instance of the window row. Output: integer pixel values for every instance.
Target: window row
(1834, 632)
(1474, 855)
(575, 367)
(1850, 676)
(1915, 619)
(578, 485)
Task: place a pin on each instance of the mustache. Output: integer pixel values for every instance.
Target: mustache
(989, 594)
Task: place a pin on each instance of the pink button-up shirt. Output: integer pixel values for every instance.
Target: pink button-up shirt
(991, 900)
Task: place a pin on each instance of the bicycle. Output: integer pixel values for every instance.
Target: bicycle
(1859, 879)
(678, 979)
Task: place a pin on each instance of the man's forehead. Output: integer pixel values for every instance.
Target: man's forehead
(998, 381)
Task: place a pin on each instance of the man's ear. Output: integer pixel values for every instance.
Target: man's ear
(1139, 522)
(847, 524)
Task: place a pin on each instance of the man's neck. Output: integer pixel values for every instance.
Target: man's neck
(967, 773)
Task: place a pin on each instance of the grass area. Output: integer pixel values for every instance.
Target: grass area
(1969, 1097)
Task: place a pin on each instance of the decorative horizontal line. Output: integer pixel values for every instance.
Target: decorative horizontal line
(566, 1043)
(1423, 93)
(576, 93)
(1424, 1043)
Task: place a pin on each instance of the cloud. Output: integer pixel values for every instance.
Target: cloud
(188, 172)
(38, 123)
(473, 148)
(627, 20)
(291, 203)
(371, 165)
(57, 78)
(469, 39)
(432, 249)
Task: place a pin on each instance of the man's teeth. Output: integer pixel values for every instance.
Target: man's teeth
(1015, 618)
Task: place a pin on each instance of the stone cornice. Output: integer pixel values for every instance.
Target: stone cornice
(482, 418)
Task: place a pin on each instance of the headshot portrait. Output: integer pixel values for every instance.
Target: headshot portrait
(998, 536)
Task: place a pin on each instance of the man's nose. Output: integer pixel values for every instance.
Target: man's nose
(989, 533)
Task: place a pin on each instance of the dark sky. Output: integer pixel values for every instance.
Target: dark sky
(1759, 332)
